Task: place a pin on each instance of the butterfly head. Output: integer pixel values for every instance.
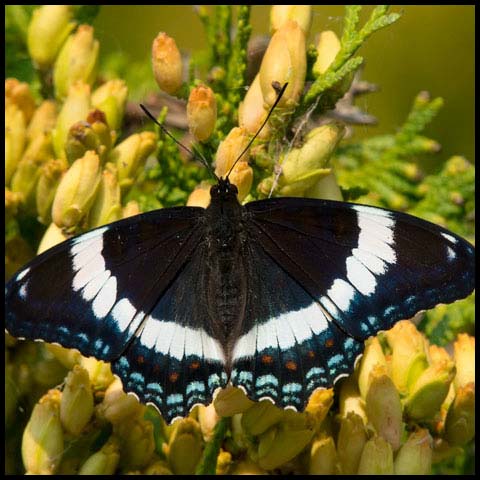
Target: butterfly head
(223, 189)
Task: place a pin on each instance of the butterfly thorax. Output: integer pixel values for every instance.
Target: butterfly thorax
(225, 240)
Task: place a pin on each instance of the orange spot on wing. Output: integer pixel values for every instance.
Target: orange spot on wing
(140, 359)
(311, 354)
(173, 377)
(291, 365)
(267, 359)
(156, 368)
(329, 342)
(194, 365)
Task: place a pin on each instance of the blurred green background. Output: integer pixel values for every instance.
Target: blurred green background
(430, 48)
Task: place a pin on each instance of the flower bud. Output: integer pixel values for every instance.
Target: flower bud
(351, 441)
(261, 416)
(130, 155)
(350, 399)
(52, 236)
(68, 357)
(319, 404)
(464, 353)
(283, 447)
(166, 63)
(160, 467)
(12, 201)
(76, 191)
(323, 457)
(224, 460)
(42, 442)
(25, 179)
(111, 98)
(251, 113)
(138, 443)
(76, 406)
(19, 94)
(130, 209)
(415, 456)
(284, 61)
(107, 206)
(326, 188)
(200, 197)
(242, 177)
(117, 405)
(377, 458)
(247, 467)
(230, 401)
(43, 120)
(82, 137)
(15, 136)
(48, 29)
(430, 389)
(99, 372)
(328, 46)
(77, 61)
(372, 356)
(280, 14)
(208, 419)
(201, 112)
(460, 422)
(408, 354)
(229, 150)
(103, 462)
(50, 174)
(74, 109)
(383, 406)
(185, 447)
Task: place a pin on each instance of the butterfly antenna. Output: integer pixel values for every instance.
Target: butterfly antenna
(280, 94)
(194, 153)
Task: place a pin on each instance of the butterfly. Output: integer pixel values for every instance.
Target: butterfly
(276, 296)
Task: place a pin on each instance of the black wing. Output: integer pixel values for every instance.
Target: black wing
(324, 277)
(118, 293)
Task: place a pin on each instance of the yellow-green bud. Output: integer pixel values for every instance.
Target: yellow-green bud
(302, 14)
(372, 356)
(76, 191)
(208, 419)
(111, 98)
(224, 461)
(247, 467)
(464, 354)
(25, 179)
(99, 372)
(415, 456)
(319, 403)
(201, 112)
(185, 447)
(383, 406)
(130, 155)
(81, 138)
(42, 442)
(107, 206)
(68, 357)
(76, 406)
(104, 462)
(251, 113)
(231, 400)
(326, 188)
(75, 108)
(328, 46)
(460, 422)
(159, 467)
(377, 458)
(303, 167)
(138, 444)
(260, 417)
(351, 441)
(117, 405)
(77, 61)
(19, 94)
(48, 29)
(230, 149)
(200, 197)
(166, 63)
(43, 120)
(130, 209)
(284, 446)
(323, 457)
(15, 139)
(50, 174)
(242, 177)
(52, 236)
(429, 391)
(350, 399)
(408, 354)
(284, 61)
(12, 201)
